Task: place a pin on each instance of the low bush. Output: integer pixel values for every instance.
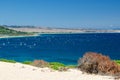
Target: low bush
(71, 66)
(27, 62)
(56, 65)
(5, 60)
(40, 63)
(98, 64)
(117, 61)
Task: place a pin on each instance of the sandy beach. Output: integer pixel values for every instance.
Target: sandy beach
(18, 71)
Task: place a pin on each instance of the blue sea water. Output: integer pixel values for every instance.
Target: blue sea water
(65, 48)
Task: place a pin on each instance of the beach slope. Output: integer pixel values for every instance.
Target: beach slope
(18, 71)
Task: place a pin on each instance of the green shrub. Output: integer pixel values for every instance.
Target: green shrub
(27, 62)
(5, 60)
(71, 66)
(56, 65)
(10, 32)
(117, 61)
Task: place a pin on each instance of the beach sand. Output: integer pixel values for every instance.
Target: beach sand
(18, 71)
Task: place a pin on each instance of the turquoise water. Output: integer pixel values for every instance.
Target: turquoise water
(65, 48)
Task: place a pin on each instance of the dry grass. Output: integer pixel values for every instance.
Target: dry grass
(98, 64)
(40, 63)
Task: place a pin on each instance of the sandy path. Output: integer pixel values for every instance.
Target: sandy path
(17, 71)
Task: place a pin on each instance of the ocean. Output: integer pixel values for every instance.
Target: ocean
(64, 48)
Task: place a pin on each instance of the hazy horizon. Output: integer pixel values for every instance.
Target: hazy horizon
(61, 13)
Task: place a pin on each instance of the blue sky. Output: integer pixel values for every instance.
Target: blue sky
(61, 13)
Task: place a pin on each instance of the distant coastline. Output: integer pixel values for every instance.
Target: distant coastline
(36, 31)
(62, 30)
(7, 36)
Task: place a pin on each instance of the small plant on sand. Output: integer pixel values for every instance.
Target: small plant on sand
(52, 65)
(56, 65)
(27, 62)
(71, 66)
(5, 60)
(40, 63)
(117, 61)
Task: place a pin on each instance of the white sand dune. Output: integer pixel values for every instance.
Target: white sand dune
(17, 71)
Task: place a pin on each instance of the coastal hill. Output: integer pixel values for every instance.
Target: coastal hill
(39, 29)
(9, 32)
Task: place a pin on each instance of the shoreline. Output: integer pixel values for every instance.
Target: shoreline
(2, 37)
(38, 34)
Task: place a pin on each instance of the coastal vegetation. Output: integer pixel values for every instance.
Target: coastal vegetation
(6, 60)
(53, 65)
(56, 65)
(95, 63)
(42, 63)
(117, 61)
(27, 62)
(9, 32)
